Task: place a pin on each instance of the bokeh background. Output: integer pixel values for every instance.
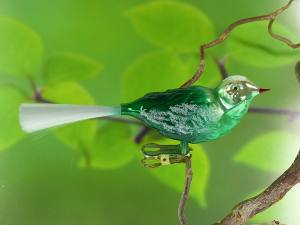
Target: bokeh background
(109, 51)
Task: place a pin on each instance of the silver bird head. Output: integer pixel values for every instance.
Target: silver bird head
(236, 89)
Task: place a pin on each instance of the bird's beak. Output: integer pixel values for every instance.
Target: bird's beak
(262, 90)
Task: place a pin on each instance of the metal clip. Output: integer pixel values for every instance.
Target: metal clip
(153, 149)
(164, 160)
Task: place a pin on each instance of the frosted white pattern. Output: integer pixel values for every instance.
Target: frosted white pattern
(184, 118)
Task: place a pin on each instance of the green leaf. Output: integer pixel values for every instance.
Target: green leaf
(156, 71)
(172, 25)
(10, 132)
(272, 152)
(67, 93)
(80, 135)
(68, 67)
(21, 49)
(113, 146)
(251, 44)
(174, 175)
(211, 76)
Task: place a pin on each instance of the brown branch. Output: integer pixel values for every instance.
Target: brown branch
(274, 193)
(271, 17)
(221, 66)
(279, 37)
(185, 193)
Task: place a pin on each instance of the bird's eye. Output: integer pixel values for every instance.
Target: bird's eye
(235, 88)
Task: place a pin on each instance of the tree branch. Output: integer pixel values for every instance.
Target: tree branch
(274, 193)
(279, 37)
(185, 194)
(271, 17)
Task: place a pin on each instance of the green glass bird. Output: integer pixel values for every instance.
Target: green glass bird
(191, 115)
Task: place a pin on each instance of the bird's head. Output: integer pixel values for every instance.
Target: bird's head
(236, 89)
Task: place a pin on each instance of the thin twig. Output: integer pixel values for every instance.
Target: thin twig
(281, 38)
(140, 136)
(221, 66)
(37, 95)
(274, 193)
(271, 17)
(185, 194)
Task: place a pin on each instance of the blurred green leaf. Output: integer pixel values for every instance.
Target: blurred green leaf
(68, 67)
(79, 135)
(10, 132)
(113, 146)
(211, 76)
(155, 71)
(172, 25)
(21, 49)
(272, 152)
(251, 44)
(68, 93)
(174, 175)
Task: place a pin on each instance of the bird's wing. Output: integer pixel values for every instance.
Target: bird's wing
(195, 95)
(178, 113)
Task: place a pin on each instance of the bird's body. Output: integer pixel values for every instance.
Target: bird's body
(192, 115)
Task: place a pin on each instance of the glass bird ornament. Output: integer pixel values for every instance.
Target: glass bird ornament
(190, 115)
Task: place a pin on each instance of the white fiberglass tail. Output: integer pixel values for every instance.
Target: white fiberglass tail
(35, 117)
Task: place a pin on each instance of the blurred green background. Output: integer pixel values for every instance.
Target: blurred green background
(110, 51)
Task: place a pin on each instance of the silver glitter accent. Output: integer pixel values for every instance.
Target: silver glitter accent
(185, 119)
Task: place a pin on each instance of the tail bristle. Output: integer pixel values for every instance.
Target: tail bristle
(35, 117)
